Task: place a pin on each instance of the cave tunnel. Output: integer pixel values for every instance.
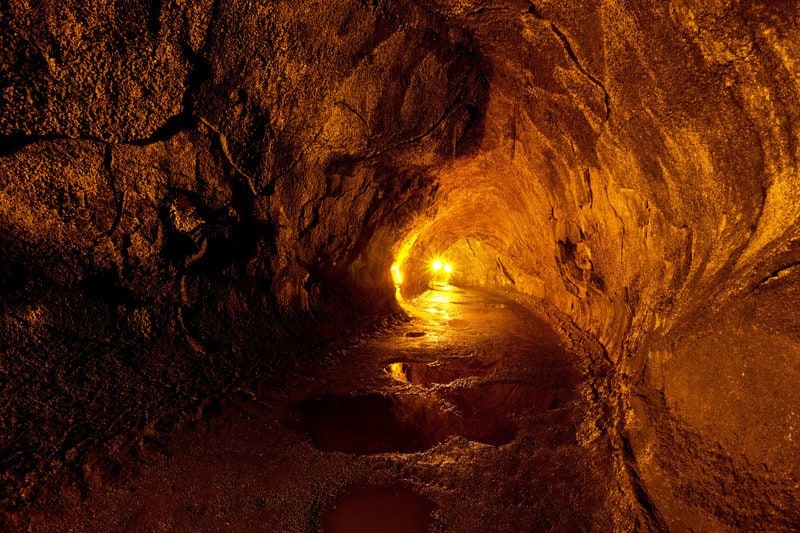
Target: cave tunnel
(399, 265)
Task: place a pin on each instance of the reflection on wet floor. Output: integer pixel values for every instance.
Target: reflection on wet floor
(407, 423)
(463, 419)
(438, 372)
(445, 391)
(373, 423)
(454, 395)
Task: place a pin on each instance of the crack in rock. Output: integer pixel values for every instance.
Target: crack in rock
(778, 274)
(223, 142)
(574, 57)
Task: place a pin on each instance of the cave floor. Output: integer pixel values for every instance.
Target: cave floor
(470, 416)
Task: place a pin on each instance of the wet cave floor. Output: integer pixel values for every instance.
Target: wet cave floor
(470, 416)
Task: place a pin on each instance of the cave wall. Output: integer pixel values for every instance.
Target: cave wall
(191, 193)
(644, 160)
(189, 189)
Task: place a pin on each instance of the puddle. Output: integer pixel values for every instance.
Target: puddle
(427, 374)
(371, 423)
(377, 508)
(375, 423)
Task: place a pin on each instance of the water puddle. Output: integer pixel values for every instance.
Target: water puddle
(486, 410)
(378, 508)
(427, 374)
(375, 423)
(372, 423)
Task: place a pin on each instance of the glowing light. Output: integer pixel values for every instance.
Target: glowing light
(396, 275)
(448, 268)
(398, 371)
(437, 265)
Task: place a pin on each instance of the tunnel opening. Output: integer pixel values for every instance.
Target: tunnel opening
(466, 262)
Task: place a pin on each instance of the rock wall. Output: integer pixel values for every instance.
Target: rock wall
(639, 164)
(192, 192)
(189, 190)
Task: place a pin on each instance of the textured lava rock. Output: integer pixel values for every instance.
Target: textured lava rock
(188, 190)
(636, 170)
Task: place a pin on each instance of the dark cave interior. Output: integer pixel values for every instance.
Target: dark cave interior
(218, 221)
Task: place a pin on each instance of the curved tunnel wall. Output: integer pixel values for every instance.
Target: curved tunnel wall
(227, 176)
(638, 165)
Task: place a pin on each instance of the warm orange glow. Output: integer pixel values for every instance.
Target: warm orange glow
(397, 371)
(396, 275)
(441, 271)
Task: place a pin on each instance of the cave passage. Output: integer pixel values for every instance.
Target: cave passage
(457, 265)
(472, 412)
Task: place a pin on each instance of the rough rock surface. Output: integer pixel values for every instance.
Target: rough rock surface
(639, 170)
(187, 191)
(446, 405)
(191, 192)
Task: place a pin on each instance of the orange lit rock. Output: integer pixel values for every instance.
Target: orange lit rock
(192, 193)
